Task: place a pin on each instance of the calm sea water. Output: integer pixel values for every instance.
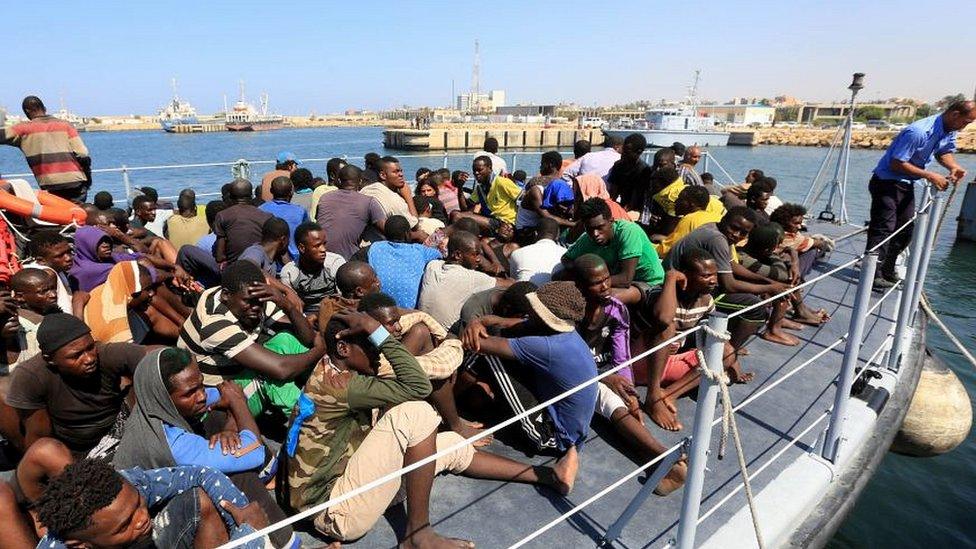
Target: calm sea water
(909, 502)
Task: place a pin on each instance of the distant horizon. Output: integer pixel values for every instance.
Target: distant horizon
(111, 60)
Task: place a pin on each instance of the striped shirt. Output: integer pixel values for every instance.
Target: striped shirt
(214, 336)
(53, 150)
(687, 316)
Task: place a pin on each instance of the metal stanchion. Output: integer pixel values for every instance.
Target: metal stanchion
(905, 306)
(931, 233)
(701, 433)
(127, 184)
(851, 351)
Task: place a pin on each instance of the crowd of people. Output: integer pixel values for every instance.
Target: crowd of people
(188, 372)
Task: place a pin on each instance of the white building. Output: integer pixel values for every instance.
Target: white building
(481, 102)
(740, 115)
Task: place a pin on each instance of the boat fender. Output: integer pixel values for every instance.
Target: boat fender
(940, 415)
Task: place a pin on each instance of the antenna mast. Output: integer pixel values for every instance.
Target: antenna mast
(476, 70)
(240, 83)
(173, 84)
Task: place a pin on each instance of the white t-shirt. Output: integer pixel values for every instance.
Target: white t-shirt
(445, 287)
(536, 262)
(498, 164)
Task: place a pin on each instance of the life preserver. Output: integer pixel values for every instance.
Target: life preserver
(50, 208)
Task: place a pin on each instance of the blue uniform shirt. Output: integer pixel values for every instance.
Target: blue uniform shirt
(918, 144)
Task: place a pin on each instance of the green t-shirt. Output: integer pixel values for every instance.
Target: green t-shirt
(628, 241)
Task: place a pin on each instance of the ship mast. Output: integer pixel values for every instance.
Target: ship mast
(240, 83)
(176, 96)
(264, 104)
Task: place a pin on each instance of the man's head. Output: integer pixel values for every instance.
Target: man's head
(789, 216)
(679, 148)
(550, 163)
(213, 208)
(491, 145)
(235, 282)
(481, 168)
(707, 178)
(397, 229)
(187, 201)
(90, 503)
(597, 221)
(692, 155)
(67, 345)
(183, 381)
(354, 353)
(144, 208)
(581, 147)
(634, 145)
(103, 200)
(282, 188)
(463, 249)
(613, 142)
(275, 231)
(737, 223)
(370, 160)
(53, 249)
(548, 228)
(519, 176)
(757, 196)
(311, 242)
(467, 225)
(700, 271)
(513, 303)
(301, 179)
(357, 279)
(384, 309)
(958, 115)
(391, 174)
(36, 290)
(240, 191)
(592, 277)
(151, 192)
(691, 199)
(753, 175)
(664, 158)
(286, 161)
(33, 107)
(350, 177)
(332, 168)
(763, 240)
(421, 174)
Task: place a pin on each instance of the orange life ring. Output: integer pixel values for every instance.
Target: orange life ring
(52, 208)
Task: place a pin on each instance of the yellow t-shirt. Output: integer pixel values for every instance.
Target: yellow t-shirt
(502, 199)
(685, 225)
(666, 196)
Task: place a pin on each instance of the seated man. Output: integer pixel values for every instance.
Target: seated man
(336, 447)
(495, 198)
(537, 261)
(808, 248)
(226, 330)
(605, 328)
(72, 389)
(738, 287)
(313, 274)
(757, 198)
(447, 284)
(695, 207)
(673, 371)
(239, 225)
(186, 226)
(281, 207)
(90, 504)
(635, 268)
(35, 291)
(355, 280)
(394, 198)
(271, 253)
(530, 209)
(399, 263)
(143, 214)
(52, 252)
(45, 460)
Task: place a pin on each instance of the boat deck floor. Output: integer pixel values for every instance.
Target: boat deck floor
(496, 514)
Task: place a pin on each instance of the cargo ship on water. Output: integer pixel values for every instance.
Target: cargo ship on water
(177, 112)
(243, 117)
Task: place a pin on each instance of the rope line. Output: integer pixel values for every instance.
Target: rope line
(945, 329)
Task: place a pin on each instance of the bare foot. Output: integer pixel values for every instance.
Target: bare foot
(664, 413)
(468, 429)
(791, 325)
(813, 318)
(737, 376)
(427, 538)
(781, 338)
(565, 471)
(673, 480)
(334, 545)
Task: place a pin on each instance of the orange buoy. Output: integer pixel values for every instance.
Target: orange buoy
(50, 208)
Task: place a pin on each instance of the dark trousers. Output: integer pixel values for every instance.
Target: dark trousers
(892, 205)
(200, 264)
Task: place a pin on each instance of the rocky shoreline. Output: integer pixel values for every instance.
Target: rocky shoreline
(860, 139)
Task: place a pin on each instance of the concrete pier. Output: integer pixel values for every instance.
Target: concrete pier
(966, 227)
(515, 137)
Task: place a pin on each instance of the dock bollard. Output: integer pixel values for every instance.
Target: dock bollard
(931, 234)
(701, 433)
(905, 306)
(855, 336)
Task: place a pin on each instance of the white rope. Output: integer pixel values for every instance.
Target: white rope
(945, 329)
(429, 459)
(595, 497)
(728, 423)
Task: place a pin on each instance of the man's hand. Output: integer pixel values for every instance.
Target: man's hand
(267, 292)
(679, 278)
(937, 180)
(779, 287)
(472, 335)
(230, 442)
(359, 324)
(230, 393)
(249, 514)
(957, 174)
(624, 388)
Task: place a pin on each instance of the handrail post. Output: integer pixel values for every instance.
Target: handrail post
(938, 202)
(445, 160)
(705, 156)
(514, 161)
(127, 184)
(855, 336)
(701, 433)
(905, 307)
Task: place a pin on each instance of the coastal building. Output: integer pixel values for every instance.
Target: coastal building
(480, 102)
(740, 115)
(808, 112)
(526, 110)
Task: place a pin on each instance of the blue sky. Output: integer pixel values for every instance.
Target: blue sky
(116, 58)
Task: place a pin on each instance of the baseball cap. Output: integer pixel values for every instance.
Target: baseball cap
(287, 156)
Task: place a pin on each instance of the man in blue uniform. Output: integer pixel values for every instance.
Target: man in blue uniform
(891, 187)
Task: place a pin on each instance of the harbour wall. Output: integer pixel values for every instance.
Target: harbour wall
(860, 139)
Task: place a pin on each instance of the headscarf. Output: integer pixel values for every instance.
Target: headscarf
(88, 271)
(107, 312)
(144, 440)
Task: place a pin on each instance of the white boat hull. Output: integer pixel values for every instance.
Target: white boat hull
(665, 138)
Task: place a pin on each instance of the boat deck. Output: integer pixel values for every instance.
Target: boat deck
(495, 514)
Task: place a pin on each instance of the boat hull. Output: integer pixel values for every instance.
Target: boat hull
(171, 125)
(665, 138)
(254, 126)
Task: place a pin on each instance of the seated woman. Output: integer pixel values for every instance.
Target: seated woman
(429, 189)
(176, 421)
(122, 309)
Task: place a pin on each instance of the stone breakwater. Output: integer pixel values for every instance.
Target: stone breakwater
(860, 139)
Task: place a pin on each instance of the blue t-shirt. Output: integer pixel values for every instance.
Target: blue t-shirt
(400, 267)
(207, 242)
(918, 144)
(293, 214)
(560, 362)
